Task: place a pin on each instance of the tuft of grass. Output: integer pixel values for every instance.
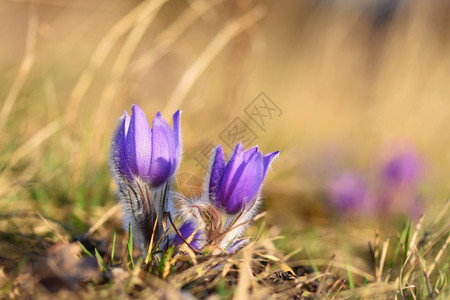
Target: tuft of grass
(130, 246)
(351, 282)
(165, 265)
(406, 241)
(113, 248)
(85, 251)
(101, 262)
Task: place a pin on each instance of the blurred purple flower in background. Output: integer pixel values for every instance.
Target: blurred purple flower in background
(403, 167)
(400, 176)
(348, 192)
(394, 190)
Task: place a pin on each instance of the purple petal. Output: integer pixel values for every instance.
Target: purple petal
(217, 169)
(249, 153)
(186, 230)
(267, 160)
(231, 174)
(245, 185)
(138, 143)
(236, 245)
(177, 136)
(163, 151)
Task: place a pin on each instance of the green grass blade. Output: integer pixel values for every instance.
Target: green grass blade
(100, 260)
(351, 282)
(130, 245)
(85, 250)
(164, 260)
(398, 247)
(406, 241)
(113, 248)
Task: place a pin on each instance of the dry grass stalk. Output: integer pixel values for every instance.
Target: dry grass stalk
(221, 39)
(24, 68)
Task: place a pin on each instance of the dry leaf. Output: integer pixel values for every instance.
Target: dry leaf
(63, 267)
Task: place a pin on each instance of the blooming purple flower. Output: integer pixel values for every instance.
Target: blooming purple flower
(229, 201)
(348, 192)
(139, 151)
(143, 162)
(235, 185)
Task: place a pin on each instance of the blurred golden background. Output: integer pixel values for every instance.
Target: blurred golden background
(351, 80)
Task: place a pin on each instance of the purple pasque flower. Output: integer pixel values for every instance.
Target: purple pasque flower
(229, 201)
(143, 162)
(235, 185)
(152, 154)
(348, 192)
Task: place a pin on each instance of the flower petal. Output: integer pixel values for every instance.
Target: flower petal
(217, 169)
(267, 160)
(244, 189)
(236, 245)
(163, 151)
(231, 175)
(138, 143)
(177, 137)
(186, 230)
(249, 153)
